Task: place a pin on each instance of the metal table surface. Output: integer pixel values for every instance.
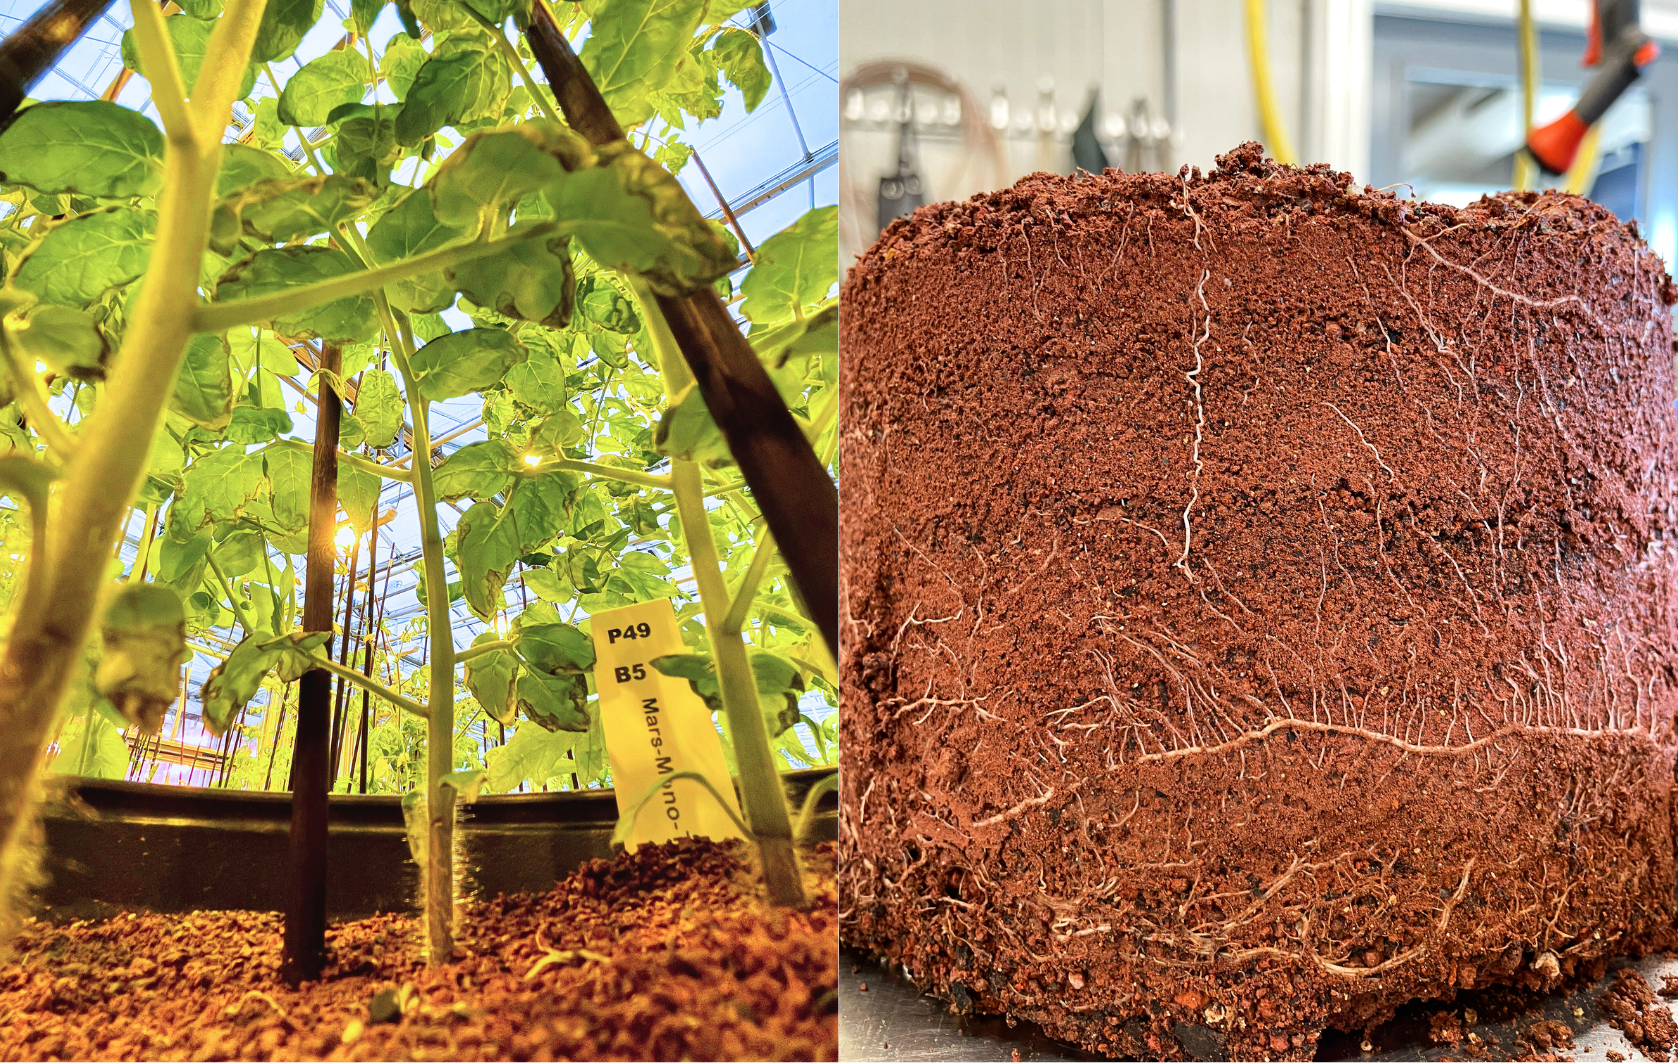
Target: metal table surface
(892, 1021)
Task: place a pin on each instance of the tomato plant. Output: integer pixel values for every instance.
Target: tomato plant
(442, 233)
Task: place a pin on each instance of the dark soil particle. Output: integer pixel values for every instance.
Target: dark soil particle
(663, 954)
(1259, 599)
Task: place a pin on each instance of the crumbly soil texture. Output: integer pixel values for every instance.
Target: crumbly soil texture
(1259, 602)
(665, 954)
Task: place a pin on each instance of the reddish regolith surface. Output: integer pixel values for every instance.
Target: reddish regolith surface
(665, 954)
(1258, 602)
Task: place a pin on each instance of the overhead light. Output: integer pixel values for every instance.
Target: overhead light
(40, 366)
(532, 459)
(346, 536)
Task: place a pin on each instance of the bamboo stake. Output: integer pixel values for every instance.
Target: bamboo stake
(305, 922)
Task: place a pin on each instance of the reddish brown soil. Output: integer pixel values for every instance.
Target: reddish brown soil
(666, 954)
(1258, 601)
(1647, 1023)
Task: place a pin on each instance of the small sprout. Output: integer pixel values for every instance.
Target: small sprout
(352, 1032)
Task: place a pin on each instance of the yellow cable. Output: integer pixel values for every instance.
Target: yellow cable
(1582, 174)
(1270, 116)
(1525, 167)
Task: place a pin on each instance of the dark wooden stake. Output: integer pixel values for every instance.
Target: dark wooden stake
(340, 714)
(36, 46)
(368, 625)
(789, 483)
(305, 919)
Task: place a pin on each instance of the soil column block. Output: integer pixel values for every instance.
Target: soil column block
(1257, 601)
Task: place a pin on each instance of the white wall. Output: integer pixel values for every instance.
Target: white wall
(1117, 44)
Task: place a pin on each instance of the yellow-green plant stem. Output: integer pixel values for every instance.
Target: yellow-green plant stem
(355, 461)
(225, 585)
(439, 724)
(628, 476)
(143, 553)
(302, 137)
(742, 607)
(219, 317)
(482, 648)
(28, 393)
(378, 689)
(760, 783)
(103, 475)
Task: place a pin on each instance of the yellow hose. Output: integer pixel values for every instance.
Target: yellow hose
(1270, 116)
(1582, 174)
(1525, 168)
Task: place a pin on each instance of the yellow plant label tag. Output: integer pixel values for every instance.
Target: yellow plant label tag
(656, 725)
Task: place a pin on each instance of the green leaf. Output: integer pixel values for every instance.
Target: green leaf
(106, 754)
(688, 431)
(631, 214)
(65, 339)
(786, 350)
(241, 552)
(233, 682)
(464, 362)
(441, 16)
(86, 148)
(402, 59)
(190, 37)
(556, 702)
(555, 648)
(277, 269)
(562, 430)
(379, 407)
(496, 167)
(289, 471)
(740, 57)
(490, 678)
(794, 268)
(204, 388)
(461, 82)
(531, 280)
(477, 470)
(284, 23)
(633, 48)
(365, 12)
(251, 424)
(358, 495)
(539, 384)
(599, 301)
(266, 130)
(243, 166)
(284, 209)
(338, 77)
(364, 144)
(487, 546)
(546, 584)
(144, 635)
(534, 754)
(411, 228)
(180, 563)
(88, 255)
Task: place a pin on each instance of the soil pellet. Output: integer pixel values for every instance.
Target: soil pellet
(666, 953)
